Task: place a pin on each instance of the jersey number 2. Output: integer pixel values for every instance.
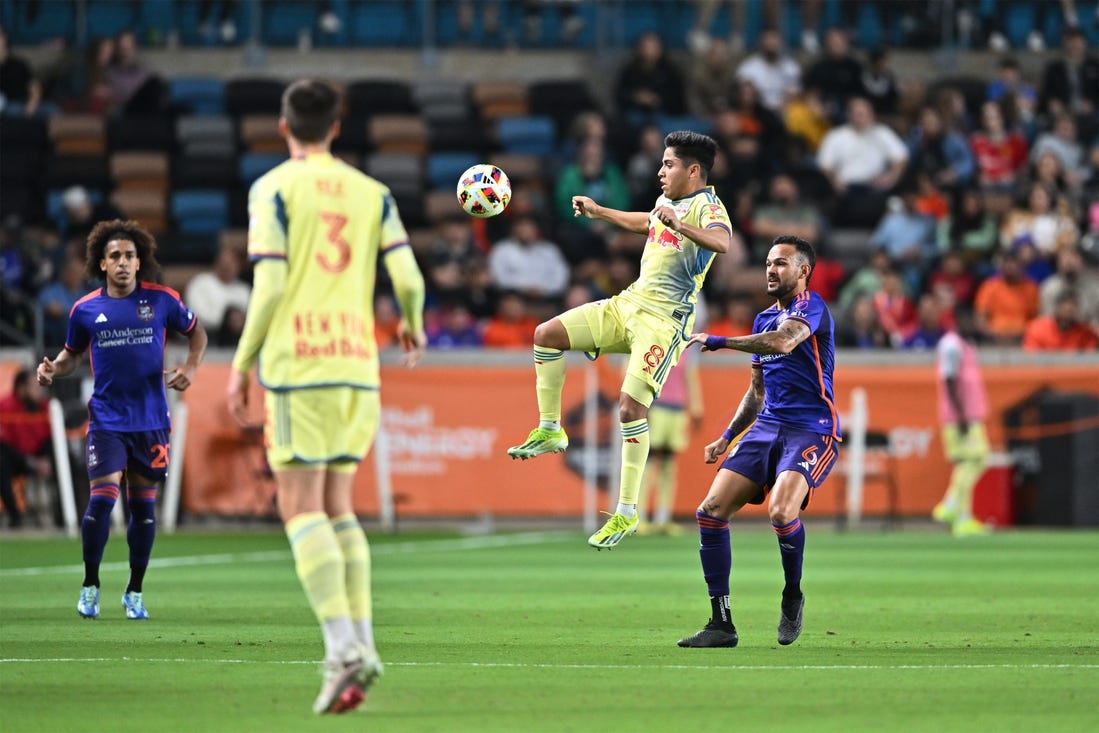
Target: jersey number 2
(160, 455)
(338, 263)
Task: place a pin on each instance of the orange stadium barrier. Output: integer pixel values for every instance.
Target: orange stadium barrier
(448, 427)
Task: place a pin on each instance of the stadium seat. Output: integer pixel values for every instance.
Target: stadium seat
(380, 97)
(444, 169)
(353, 135)
(534, 135)
(147, 207)
(440, 204)
(197, 170)
(500, 99)
(253, 165)
(386, 23)
(253, 96)
(140, 169)
(398, 134)
(197, 95)
(260, 134)
(105, 18)
(89, 171)
(140, 133)
(78, 134)
(458, 135)
(25, 149)
(401, 172)
(443, 99)
(521, 167)
(53, 20)
(200, 211)
(561, 99)
(24, 133)
(206, 135)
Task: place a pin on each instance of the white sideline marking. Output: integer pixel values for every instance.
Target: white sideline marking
(536, 665)
(480, 542)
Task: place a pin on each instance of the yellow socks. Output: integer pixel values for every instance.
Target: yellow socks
(320, 567)
(635, 451)
(356, 557)
(549, 370)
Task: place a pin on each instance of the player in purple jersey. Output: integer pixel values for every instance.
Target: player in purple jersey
(786, 435)
(124, 324)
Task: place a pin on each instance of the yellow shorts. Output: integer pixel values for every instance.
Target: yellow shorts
(973, 446)
(668, 428)
(618, 326)
(331, 426)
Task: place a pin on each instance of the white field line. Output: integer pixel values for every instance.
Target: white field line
(596, 667)
(480, 542)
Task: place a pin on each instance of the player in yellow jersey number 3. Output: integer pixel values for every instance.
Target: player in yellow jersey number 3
(650, 320)
(316, 229)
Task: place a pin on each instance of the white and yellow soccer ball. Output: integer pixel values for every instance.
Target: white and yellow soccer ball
(484, 190)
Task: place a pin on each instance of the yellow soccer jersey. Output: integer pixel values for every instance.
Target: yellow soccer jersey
(328, 222)
(673, 267)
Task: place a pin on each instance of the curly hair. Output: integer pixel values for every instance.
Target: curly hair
(106, 232)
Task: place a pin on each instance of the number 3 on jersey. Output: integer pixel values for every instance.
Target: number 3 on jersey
(342, 257)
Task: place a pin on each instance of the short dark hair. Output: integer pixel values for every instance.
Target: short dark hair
(693, 147)
(106, 232)
(805, 251)
(310, 107)
(23, 376)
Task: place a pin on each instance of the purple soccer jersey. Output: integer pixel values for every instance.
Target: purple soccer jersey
(126, 337)
(798, 385)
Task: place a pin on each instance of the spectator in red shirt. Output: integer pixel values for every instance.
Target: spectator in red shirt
(24, 438)
(953, 274)
(1001, 155)
(896, 311)
(1062, 331)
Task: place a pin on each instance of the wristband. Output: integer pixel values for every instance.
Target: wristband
(713, 343)
(728, 434)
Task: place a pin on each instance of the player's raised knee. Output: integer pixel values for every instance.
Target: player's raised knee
(551, 334)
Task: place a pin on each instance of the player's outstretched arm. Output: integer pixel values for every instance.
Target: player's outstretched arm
(181, 377)
(791, 333)
(634, 221)
(745, 415)
(62, 365)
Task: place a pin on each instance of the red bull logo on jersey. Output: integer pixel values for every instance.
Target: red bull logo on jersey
(667, 238)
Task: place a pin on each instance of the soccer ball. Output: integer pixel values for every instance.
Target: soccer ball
(484, 190)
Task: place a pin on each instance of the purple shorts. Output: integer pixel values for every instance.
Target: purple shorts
(768, 449)
(146, 453)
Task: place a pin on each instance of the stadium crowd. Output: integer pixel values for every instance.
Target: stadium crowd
(967, 194)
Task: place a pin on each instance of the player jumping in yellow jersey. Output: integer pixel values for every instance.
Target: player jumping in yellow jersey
(650, 320)
(316, 228)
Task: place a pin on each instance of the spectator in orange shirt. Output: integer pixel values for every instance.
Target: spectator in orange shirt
(24, 438)
(1062, 331)
(733, 317)
(1006, 302)
(512, 327)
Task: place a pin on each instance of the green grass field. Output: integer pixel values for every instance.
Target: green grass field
(904, 631)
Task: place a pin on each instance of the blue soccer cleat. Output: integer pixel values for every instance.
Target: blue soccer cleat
(88, 605)
(135, 609)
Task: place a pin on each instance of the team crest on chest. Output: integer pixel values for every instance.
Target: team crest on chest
(144, 311)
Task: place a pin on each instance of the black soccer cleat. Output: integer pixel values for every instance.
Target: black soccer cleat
(789, 623)
(712, 636)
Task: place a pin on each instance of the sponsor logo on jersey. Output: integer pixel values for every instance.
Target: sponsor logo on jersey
(101, 318)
